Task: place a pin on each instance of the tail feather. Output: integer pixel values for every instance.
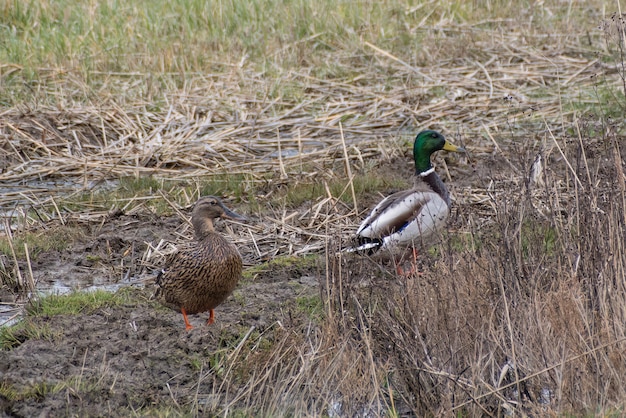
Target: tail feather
(158, 291)
(159, 277)
(369, 247)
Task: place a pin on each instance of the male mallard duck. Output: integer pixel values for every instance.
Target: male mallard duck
(409, 217)
(199, 278)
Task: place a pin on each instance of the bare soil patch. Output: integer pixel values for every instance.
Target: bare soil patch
(138, 356)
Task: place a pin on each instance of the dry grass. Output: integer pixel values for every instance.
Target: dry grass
(243, 120)
(522, 306)
(225, 124)
(524, 317)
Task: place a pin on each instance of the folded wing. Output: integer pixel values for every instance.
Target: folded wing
(404, 217)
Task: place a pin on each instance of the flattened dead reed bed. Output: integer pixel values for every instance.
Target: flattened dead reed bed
(233, 123)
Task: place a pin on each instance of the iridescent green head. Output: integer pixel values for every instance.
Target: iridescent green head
(426, 143)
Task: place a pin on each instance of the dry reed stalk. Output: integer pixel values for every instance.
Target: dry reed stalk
(176, 209)
(232, 130)
(348, 169)
(31, 278)
(9, 234)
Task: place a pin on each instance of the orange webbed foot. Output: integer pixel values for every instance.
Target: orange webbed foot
(413, 270)
(211, 317)
(188, 326)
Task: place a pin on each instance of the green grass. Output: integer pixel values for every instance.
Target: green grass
(124, 195)
(364, 184)
(8, 391)
(165, 36)
(286, 262)
(241, 187)
(58, 238)
(311, 306)
(130, 192)
(71, 304)
(458, 243)
(142, 185)
(37, 390)
(196, 362)
(603, 101)
(41, 389)
(538, 237)
(611, 103)
(77, 302)
(160, 411)
(107, 46)
(13, 336)
(238, 185)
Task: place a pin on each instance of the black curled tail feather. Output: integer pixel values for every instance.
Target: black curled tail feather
(366, 246)
(159, 282)
(159, 278)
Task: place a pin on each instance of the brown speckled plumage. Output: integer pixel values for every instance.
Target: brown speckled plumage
(197, 279)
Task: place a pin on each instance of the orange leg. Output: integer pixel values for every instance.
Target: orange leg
(413, 269)
(211, 317)
(188, 326)
(414, 263)
(403, 273)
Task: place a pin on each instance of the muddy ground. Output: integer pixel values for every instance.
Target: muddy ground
(137, 356)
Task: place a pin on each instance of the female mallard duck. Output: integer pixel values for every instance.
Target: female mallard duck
(199, 278)
(408, 218)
